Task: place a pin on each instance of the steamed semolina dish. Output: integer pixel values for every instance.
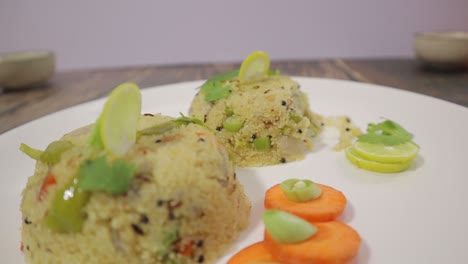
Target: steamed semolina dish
(262, 117)
(172, 198)
(262, 122)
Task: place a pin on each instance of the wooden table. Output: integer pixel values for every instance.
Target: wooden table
(70, 88)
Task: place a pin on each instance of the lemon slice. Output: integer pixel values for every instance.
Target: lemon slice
(254, 67)
(363, 163)
(387, 154)
(116, 128)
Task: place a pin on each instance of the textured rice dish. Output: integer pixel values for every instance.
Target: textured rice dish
(261, 123)
(184, 204)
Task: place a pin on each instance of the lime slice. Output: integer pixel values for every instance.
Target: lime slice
(117, 125)
(387, 154)
(363, 163)
(254, 67)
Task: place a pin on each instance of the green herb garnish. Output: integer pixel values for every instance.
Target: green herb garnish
(273, 72)
(387, 133)
(185, 120)
(51, 154)
(111, 177)
(224, 76)
(216, 88)
(214, 91)
(169, 125)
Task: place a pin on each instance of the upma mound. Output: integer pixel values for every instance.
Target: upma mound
(183, 204)
(261, 123)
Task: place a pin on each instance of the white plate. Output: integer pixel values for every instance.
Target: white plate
(418, 216)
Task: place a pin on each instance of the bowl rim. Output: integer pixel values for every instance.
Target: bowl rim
(442, 35)
(25, 56)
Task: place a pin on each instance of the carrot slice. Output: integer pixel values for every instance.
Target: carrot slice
(334, 242)
(326, 207)
(257, 252)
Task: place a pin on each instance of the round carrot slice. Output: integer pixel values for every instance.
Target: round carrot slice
(334, 242)
(256, 253)
(329, 205)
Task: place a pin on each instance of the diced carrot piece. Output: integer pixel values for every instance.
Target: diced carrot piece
(186, 249)
(49, 180)
(334, 243)
(328, 206)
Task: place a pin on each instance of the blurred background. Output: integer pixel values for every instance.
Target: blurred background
(115, 33)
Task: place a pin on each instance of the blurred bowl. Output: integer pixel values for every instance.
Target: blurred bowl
(442, 50)
(25, 69)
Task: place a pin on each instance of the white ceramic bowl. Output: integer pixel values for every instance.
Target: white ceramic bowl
(444, 50)
(25, 69)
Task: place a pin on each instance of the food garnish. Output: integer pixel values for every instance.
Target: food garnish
(386, 154)
(334, 242)
(291, 238)
(51, 154)
(300, 190)
(387, 133)
(116, 128)
(216, 87)
(169, 125)
(31, 152)
(287, 228)
(363, 163)
(101, 175)
(255, 67)
(329, 205)
(386, 147)
(256, 253)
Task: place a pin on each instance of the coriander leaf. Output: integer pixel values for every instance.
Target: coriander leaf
(224, 76)
(215, 90)
(389, 127)
(387, 133)
(98, 175)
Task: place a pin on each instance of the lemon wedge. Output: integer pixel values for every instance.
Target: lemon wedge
(116, 128)
(254, 67)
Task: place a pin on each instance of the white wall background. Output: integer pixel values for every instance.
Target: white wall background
(106, 33)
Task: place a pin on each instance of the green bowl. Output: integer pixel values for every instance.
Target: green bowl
(26, 69)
